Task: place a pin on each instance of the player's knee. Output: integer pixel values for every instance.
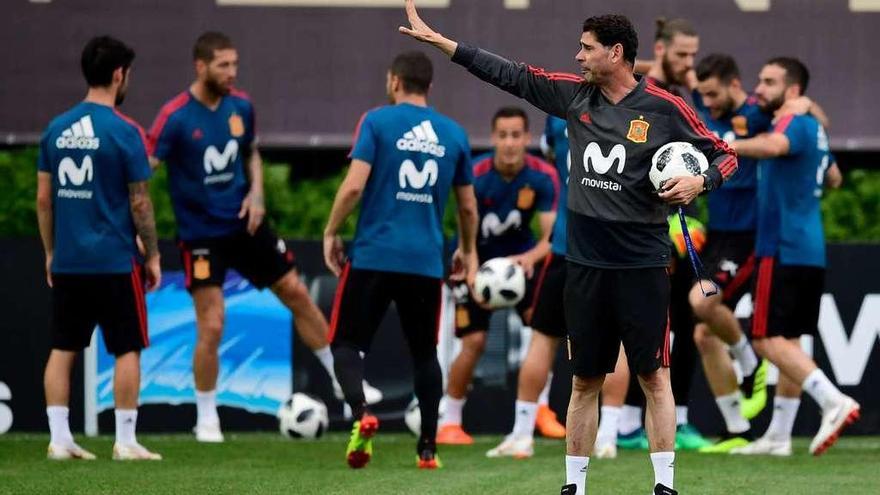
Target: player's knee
(474, 343)
(702, 305)
(763, 347)
(211, 330)
(291, 290)
(655, 383)
(702, 338)
(586, 387)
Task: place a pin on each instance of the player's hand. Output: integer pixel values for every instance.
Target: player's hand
(464, 268)
(334, 253)
(526, 262)
(153, 272)
(797, 106)
(422, 32)
(253, 208)
(682, 190)
(49, 269)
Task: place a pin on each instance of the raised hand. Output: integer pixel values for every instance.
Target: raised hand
(422, 32)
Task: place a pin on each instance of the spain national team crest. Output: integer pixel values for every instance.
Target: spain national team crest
(638, 130)
(740, 125)
(236, 125)
(525, 198)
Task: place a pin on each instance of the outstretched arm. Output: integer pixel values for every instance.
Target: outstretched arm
(346, 200)
(552, 92)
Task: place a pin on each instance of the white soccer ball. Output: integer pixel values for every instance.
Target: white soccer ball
(302, 416)
(413, 416)
(674, 160)
(500, 283)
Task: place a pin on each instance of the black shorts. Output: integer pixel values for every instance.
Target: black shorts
(470, 317)
(548, 313)
(261, 258)
(362, 298)
(729, 259)
(604, 307)
(113, 301)
(787, 299)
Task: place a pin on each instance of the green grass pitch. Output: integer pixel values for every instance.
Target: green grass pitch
(267, 463)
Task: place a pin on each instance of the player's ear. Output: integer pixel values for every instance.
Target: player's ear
(659, 49)
(118, 75)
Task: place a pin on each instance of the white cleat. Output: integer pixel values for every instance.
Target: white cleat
(606, 451)
(371, 394)
(765, 446)
(834, 420)
(58, 452)
(133, 452)
(208, 432)
(516, 447)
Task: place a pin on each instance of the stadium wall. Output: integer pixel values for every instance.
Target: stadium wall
(846, 348)
(313, 70)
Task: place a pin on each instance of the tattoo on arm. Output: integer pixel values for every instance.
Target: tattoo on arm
(142, 213)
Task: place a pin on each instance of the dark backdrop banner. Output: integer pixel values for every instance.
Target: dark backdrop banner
(312, 70)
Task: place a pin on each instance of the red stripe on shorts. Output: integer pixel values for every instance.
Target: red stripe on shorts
(762, 298)
(337, 301)
(742, 275)
(140, 304)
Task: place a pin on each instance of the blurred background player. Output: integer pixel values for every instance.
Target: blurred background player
(215, 178)
(92, 200)
(790, 251)
(405, 160)
(511, 186)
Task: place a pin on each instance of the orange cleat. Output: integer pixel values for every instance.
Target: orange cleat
(452, 434)
(547, 424)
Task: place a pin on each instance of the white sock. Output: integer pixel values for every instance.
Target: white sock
(206, 407)
(452, 416)
(664, 467)
(325, 355)
(744, 354)
(681, 415)
(544, 398)
(608, 424)
(59, 427)
(524, 422)
(784, 412)
(126, 422)
(730, 409)
(576, 472)
(821, 389)
(630, 419)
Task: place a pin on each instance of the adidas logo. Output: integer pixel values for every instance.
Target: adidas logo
(422, 138)
(79, 136)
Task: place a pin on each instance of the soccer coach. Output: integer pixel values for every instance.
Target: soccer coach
(617, 288)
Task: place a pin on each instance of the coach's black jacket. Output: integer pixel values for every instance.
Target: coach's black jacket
(616, 220)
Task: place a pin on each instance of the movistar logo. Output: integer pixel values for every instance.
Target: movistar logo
(601, 163)
(493, 226)
(411, 177)
(215, 161)
(71, 174)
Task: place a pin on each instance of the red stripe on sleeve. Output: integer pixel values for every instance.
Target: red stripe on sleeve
(783, 123)
(357, 133)
(555, 76)
(483, 167)
(137, 126)
(165, 113)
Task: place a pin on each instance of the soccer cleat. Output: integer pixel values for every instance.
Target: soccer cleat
(133, 452)
(547, 424)
(765, 446)
(834, 420)
(726, 443)
(453, 434)
(511, 446)
(605, 451)
(360, 446)
(428, 459)
(754, 391)
(635, 440)
(660, 489)
(372, 395)
(687, 437)
(58, 452)
(569, 490)
(208, 432)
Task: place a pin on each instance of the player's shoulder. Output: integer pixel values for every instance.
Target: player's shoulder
(483, 166)
(173, 108)
(240, 98)
(127, 127)
(64, 119)
(795, 122)
(541, 169)
(662, 101)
